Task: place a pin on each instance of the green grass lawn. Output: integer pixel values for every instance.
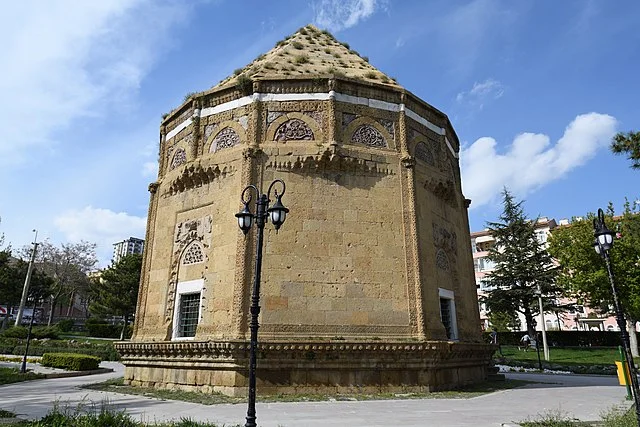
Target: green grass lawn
(565, 356)
(13, 375)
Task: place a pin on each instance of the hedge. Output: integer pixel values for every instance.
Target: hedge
(106, 330)
(105, 354)
(15, 346)
(72, 361)
(39, 332)
(564, 338)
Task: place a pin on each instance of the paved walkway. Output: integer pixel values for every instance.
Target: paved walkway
(582, 397)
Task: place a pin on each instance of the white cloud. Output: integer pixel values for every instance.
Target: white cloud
(64, 60)
(336, 15)
(481, 93)
(102, 226)
(531, 162)
(150, 169)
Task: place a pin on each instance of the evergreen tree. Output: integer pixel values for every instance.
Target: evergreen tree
(116, 292)
(522, 264)
(629, 144)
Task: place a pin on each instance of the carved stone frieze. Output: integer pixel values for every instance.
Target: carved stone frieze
(446, 245)
(226, 138)
(329, 161)
(444, 190)
(196, 176)
(369, 136)
(294, 130)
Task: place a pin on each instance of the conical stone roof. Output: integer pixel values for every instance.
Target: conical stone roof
(309, 52)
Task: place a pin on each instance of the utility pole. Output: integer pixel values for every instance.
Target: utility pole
(27, 281)
(543, 325)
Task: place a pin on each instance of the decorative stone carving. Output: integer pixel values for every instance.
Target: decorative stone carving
(331, 162)
(444, 239)
(273, 115)
(442, 262)
(424, 153)
(444, 190)
(347, 118)
(388, 125)
(196, 176)
(315, 115)
(294, 130)
(244, 121)
(195, 232)
(368, 135)
(179, 158)
(209, 129)
(226, 138)
(193, 255)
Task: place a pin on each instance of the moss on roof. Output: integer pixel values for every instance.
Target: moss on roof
(309, 52)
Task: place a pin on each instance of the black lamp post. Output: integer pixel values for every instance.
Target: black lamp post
(602, 244)
(278, 213)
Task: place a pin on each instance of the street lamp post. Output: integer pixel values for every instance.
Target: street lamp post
(543, 325)
(602, 244)
(278, 213)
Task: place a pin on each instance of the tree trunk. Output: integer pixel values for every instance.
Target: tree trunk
(558, 318)
(70, 308)
(633, 337)
(528, 317)
(51, 309)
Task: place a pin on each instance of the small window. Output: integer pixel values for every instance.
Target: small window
(188, 314)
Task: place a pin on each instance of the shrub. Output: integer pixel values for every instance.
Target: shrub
(297, 45)
(103, 330)
(244, 84)
(65, 325)
(103, 354)
(371, 75)
(72, 361)
(302, 59)
(38, 332)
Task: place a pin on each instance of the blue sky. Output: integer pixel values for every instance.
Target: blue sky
(535, 91)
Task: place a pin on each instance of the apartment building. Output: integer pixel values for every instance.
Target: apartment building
(129, 246)
(582, 318)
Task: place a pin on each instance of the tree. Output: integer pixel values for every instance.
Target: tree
(116, 292)
(629, 144)
(522, 264)
(583, 272)
(10, 284)
(68, 265)
(503, 322)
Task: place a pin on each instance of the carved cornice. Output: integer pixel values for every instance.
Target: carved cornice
(236, 350)
(330, 160)
(444, 190)
(196, 175)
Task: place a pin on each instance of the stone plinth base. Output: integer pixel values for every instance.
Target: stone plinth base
(306, 367)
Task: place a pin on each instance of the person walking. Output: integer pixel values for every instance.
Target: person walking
(526, 342)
